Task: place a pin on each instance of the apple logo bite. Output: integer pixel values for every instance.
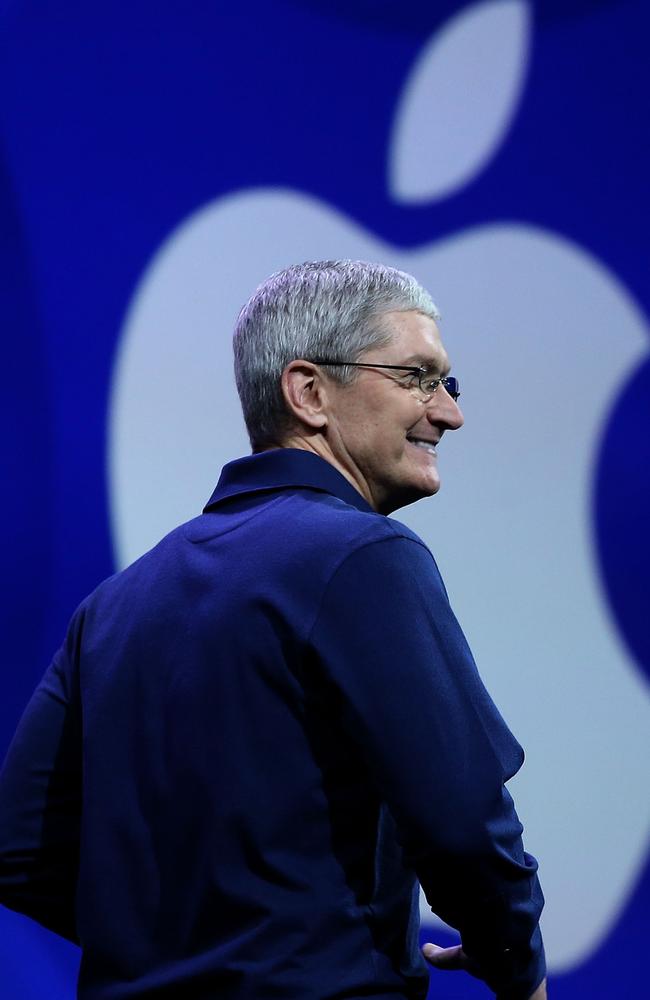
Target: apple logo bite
(543, 336)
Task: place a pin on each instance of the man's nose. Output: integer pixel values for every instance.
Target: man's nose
(443, 409)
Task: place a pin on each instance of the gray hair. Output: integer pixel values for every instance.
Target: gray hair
(320, 309)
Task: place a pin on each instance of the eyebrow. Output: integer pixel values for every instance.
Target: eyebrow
(432, 365)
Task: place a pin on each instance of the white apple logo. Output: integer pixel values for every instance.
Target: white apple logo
(543, 337)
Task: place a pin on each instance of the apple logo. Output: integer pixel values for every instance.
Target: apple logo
(543, 336)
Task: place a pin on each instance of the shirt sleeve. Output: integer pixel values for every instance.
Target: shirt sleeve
(438, 750)
(40, 801)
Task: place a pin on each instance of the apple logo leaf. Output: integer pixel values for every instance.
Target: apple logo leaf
(459, 101)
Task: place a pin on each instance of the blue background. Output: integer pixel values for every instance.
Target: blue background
(118, 120)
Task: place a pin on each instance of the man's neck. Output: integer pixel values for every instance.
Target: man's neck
(317, 445)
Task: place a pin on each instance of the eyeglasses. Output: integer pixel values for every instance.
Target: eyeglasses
(420, 377)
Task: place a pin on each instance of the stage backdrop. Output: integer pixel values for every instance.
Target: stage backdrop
(160, 160)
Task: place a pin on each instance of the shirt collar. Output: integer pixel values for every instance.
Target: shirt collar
(283, 468)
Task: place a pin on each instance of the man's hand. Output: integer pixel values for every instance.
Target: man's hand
(446, 958)
(455, 958)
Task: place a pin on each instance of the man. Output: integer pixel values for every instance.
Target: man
(259, 737)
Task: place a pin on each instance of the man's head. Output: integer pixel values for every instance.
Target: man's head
(364, 420)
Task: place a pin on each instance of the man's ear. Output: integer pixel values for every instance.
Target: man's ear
(305, 394)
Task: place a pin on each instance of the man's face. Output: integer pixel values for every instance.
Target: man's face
(379, 428)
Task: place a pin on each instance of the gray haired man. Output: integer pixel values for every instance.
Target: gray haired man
(269, 729)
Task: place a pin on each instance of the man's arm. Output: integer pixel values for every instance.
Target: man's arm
(40, 803)
(439, 752)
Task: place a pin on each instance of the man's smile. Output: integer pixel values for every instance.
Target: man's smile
(425, 444)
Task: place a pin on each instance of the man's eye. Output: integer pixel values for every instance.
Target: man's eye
(430, 383)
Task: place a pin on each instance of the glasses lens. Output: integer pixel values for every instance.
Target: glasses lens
(451, 385)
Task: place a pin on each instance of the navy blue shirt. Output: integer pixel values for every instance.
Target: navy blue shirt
(252, 744)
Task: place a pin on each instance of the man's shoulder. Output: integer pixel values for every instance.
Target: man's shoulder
(303, 534)
(329, 526)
